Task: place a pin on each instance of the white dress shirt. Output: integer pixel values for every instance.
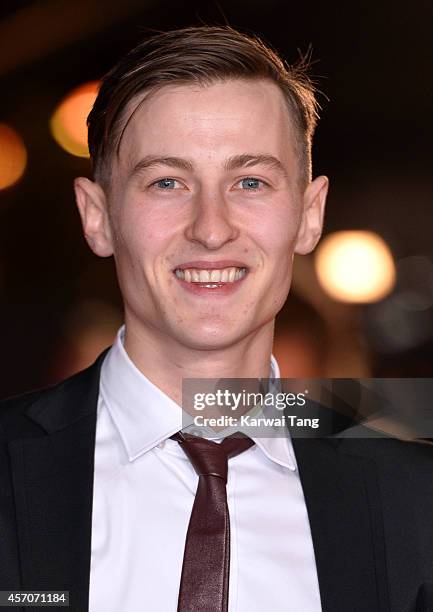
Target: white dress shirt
(144, 489)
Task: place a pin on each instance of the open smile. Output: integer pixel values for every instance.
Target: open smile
(221, 280)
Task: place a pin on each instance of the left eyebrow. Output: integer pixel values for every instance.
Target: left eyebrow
(247, 160)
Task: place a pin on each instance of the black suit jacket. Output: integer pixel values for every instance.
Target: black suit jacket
(369, 502)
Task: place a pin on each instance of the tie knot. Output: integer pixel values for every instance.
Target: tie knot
(210, 458)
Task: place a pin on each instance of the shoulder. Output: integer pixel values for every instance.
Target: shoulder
(18, 403)
(404, 468)
(14, 422)
(13, 409)
(72, 392)
(385, 449)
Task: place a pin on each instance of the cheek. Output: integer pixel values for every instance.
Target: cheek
(277, 235)
(277, 238)
(142, 234)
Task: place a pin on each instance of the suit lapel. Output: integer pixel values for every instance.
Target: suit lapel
(53, 487)
(344, 511)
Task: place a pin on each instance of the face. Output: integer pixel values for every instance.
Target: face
(206, 212)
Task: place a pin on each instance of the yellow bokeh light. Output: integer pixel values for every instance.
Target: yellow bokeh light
(68, 123)
(13, 156)
(355, 266)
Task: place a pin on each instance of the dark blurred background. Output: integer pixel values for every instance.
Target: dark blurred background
(60, 304)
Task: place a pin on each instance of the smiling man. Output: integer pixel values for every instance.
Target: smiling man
(208, 203)
(202, 191)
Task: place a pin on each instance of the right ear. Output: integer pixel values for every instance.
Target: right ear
(92, 206)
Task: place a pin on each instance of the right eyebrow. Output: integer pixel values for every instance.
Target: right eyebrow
(153, 160)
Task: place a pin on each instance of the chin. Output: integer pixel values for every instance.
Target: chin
(209, 337)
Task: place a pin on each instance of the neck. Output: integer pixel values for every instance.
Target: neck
(166, 362)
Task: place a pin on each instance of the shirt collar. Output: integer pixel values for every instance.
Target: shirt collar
(145, 416)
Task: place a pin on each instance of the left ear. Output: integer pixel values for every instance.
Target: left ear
(313, 211)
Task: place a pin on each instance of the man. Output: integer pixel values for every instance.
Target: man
(201, 147)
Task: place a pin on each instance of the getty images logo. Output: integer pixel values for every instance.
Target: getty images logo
(233, 400)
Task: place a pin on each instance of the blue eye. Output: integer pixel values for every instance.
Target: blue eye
(165, 183)
(250, 183)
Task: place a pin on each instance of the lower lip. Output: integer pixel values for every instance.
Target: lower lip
(220, 289)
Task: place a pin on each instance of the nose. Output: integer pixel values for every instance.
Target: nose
(211, 222)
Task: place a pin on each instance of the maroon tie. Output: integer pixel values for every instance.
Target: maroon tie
(204, 585)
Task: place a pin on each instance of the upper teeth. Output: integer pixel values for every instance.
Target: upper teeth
(224, 275)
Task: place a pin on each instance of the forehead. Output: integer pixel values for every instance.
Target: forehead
(209, 122)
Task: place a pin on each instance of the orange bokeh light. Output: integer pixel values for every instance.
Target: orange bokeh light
(68, 123)
(13, 156)
(355, 266)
